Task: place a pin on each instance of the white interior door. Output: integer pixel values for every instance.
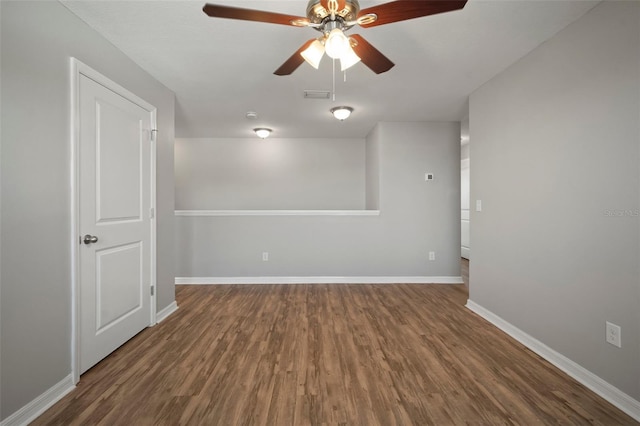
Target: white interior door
(114, 220)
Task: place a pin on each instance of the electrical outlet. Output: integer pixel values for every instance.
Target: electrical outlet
(432, 255)
(265, 256)
(614, 334)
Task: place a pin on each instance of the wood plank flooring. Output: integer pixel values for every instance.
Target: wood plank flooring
(464, 271)
(326, 355)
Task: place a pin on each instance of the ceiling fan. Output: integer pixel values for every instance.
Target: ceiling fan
(332, 18)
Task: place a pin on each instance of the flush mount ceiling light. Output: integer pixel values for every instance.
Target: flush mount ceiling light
(262, 132)
(341, 112)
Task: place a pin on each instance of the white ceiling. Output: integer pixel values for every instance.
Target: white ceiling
(219, 69)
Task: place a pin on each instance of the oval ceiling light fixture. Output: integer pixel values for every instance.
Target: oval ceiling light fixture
(341, 112)
(251, 115)
(262, 132)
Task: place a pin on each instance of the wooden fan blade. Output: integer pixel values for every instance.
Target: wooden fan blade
(291, 64)
(340, 4)
(370, 56)
(402, 10)
(229, 12)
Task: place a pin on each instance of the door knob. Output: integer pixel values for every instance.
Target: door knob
(88, 239)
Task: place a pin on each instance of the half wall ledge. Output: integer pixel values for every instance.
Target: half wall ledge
(203, 213)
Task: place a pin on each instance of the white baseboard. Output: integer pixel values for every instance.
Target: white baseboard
(319, 280)
(164, 313)
(604, 389)
(42, 403)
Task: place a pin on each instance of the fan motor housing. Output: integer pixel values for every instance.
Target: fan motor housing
(317, 14)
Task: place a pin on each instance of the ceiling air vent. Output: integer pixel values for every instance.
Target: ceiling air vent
(316, 94)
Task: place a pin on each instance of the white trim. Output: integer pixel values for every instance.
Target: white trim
(40, 404)
(153, 138)
(78, 68)
(465, 252)
(204, 213)
(164, 313)
(75, 205)
(318, 280)
(604, 389)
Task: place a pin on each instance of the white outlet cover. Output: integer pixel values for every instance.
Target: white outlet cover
(614, 334)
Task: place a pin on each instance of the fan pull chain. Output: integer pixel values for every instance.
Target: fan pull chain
(334, 80)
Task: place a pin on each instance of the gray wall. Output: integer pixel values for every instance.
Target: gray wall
(271, 174)
(555, 161)
(38, 38)
(372, 171)
(415, 217)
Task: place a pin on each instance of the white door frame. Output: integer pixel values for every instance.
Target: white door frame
(77, 69)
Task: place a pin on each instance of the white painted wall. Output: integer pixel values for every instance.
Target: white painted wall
(271, 174)
(555, 151)
(415, 217)
(37, 40)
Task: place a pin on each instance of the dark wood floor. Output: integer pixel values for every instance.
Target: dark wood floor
(464, 271)
(327, 355)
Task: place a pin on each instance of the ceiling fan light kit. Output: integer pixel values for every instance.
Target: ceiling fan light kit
(313, 54)
(336, 47)
(348, 59)
(332, 18)
(336, 44)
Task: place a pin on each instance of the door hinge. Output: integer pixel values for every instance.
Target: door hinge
(152, 289)
(152, 213)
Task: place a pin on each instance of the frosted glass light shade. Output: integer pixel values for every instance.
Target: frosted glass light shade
(262, 132)
(348, 59)
(313, 54)
(341, 112)
(336, 43)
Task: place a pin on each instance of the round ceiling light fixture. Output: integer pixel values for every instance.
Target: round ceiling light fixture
(341, 112)
(262, 132)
